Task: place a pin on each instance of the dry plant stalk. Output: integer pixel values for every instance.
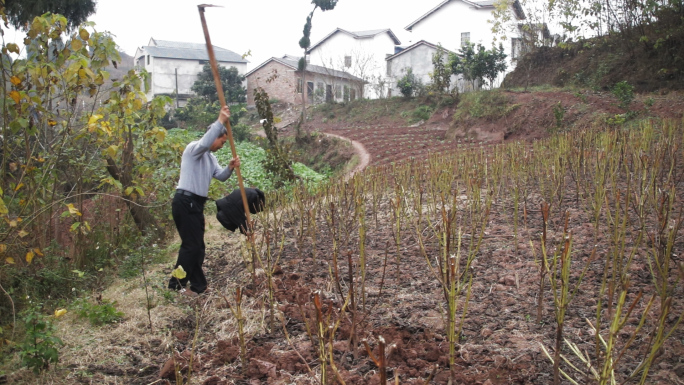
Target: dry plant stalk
(325, 334)
(381, 360)
(237, 313)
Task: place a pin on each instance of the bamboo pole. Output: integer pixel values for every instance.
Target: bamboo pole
(222, 99)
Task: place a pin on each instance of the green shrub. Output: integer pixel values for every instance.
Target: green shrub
(420, 113)
(241, 132)
(410, 85)
(40, 346)
(559, 114)
(624, 92)
(98, 314)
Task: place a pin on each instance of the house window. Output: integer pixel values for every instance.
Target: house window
(309, 91)
(346, 93)
(299, 86)
(516, 48)
(203, 62)
(347, 61)
(465, 38)
(320, 91)
(389, 68)
(352, 95)
(338, 93)
(148, 59)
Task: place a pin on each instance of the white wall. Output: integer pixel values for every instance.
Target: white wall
(446, 25)
(163, 74)
(419, 59)
(367, 57)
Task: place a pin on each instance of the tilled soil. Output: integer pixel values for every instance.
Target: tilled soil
(405, 305)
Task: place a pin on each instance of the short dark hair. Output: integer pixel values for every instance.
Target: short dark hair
(223, 131)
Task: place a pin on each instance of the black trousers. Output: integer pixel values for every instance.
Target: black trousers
(188, 214)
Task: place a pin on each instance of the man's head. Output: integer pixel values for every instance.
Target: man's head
(220, 141)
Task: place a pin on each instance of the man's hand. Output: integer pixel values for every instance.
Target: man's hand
(224, 115)
(235, 162)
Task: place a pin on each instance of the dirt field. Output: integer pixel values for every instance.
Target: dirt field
(501, 340)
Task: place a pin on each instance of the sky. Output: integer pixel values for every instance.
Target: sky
(267, 28)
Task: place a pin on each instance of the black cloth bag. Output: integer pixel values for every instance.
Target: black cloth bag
(231, 212)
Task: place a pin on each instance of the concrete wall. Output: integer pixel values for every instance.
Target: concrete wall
(163, 73)
(446, 25)
(419, 59)
(367, 58)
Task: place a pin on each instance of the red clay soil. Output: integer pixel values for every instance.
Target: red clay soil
(391, 140)
(405, 303)
(501, 340)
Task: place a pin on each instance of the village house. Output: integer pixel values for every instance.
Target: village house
(361, 54)
(173, 66)
(453, 23)
(417, 57)
(280, 78)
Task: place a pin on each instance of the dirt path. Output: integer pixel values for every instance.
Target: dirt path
(360, 149)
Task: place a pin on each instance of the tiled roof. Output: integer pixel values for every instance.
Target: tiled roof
(190, 51)
(294, 64)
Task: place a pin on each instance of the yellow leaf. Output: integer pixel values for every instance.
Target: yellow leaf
(52, 122)
(13, 223)
(106, 128)
(76, 45)
(60, 312)
(111, 151)
(3, 248)
(23, 233)
(38, 252)
(3, 208)
(15, 96)
(94, 118)
(10, 260)
(128, 190)
(15, 80)
(19, 187)
(73, 210)
(29, 256)
(179, 272)
(84, 34)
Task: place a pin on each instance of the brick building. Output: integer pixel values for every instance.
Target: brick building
(280, 78)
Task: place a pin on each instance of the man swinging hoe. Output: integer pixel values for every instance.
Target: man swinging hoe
(198, 167)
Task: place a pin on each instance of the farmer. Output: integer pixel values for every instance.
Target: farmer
(198, 166)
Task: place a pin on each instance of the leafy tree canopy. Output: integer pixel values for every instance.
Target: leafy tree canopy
(20, 13)
(231, 81)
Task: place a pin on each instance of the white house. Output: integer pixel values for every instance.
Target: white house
(173, 66)
(452, 23)
(360, 53)
(417, 57)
